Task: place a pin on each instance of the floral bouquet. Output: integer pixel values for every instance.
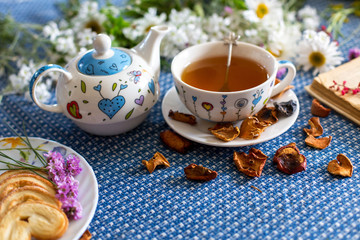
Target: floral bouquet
(283, 27)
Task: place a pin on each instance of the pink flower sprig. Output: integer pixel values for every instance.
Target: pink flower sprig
(62, 172)
(344, 89)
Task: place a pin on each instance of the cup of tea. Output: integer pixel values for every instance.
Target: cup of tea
(200, 71)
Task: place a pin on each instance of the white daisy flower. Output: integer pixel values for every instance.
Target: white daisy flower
(317, 52)
(310, 17)
(141, 26)
(265, 10)
(282, 41)
(89, 17)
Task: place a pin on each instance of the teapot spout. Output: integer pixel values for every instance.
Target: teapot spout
(149, 47)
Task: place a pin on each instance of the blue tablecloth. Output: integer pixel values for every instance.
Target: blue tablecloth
(134, 204)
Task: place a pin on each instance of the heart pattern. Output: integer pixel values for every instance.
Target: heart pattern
(194, 98)
(97, 88)
(114, 67)
(140, 100)
(111, 107)
(207, 106)
(73, 109)
(89, 69)
(123, 86)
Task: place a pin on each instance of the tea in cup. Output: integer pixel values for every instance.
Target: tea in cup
(199, 77)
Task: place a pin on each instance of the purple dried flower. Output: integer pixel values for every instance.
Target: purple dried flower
(281, 73)
(354, 53)
(73, 165)
(62, 173)
(73, 209)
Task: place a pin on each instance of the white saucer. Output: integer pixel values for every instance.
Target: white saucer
(200, 133)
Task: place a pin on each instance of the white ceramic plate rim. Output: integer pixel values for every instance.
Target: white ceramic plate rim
(199, 133)
(76, 227)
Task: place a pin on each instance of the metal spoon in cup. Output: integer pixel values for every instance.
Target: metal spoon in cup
(229, 40)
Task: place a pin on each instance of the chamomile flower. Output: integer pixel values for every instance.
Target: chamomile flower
(282, 41)
(316, 51)
(310, 17)
(89, 17)
(141, 26)
(265, 10)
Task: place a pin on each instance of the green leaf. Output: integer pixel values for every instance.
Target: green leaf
(83, 86)
(129, 114)
(114, 86)
(25, 155)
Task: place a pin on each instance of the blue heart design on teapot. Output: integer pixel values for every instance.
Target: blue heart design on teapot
(89, 69)
(114, 67)
(97, 88)
(111, 107)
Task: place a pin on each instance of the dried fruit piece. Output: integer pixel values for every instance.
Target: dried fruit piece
(220, 125)
(199, 173)
(182, 117)
(319, 110)
(251, 128)
(250, 164)
(225, 132)
(157, 160)
(174, 141)
(283, 91)
(319, 143)
(286, 108)
(289, 160)
(267, 115)
(316, 129)
(342, 166)
(86, 235)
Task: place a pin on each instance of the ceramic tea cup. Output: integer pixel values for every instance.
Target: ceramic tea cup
(219, 106)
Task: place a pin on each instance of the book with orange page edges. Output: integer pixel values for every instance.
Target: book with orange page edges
(328, 88)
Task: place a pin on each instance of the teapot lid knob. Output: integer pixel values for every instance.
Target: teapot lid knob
(102, 46)
(103, 59)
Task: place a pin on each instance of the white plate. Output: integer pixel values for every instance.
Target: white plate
(88, 186)
(200, 133)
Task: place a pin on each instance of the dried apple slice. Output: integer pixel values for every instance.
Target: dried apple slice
(174, 141)
(267, 115)
(157, 160)
(289, 160)
(319, 110)
(252, 128)
(341, 166)
(199, 173)
(315, 127)
(319, 143)
(182, 117)
(225, 132)
(250, 164)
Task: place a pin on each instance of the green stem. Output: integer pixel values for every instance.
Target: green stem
(16, 161)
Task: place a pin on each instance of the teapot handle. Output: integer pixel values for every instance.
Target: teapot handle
(37, 76)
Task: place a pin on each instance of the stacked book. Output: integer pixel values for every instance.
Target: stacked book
(339, 89)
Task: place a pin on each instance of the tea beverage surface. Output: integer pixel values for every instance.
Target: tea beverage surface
(209, 74)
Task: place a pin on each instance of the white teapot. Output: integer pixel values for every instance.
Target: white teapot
(107, 91)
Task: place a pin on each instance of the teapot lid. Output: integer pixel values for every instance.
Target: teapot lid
(103, 60)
